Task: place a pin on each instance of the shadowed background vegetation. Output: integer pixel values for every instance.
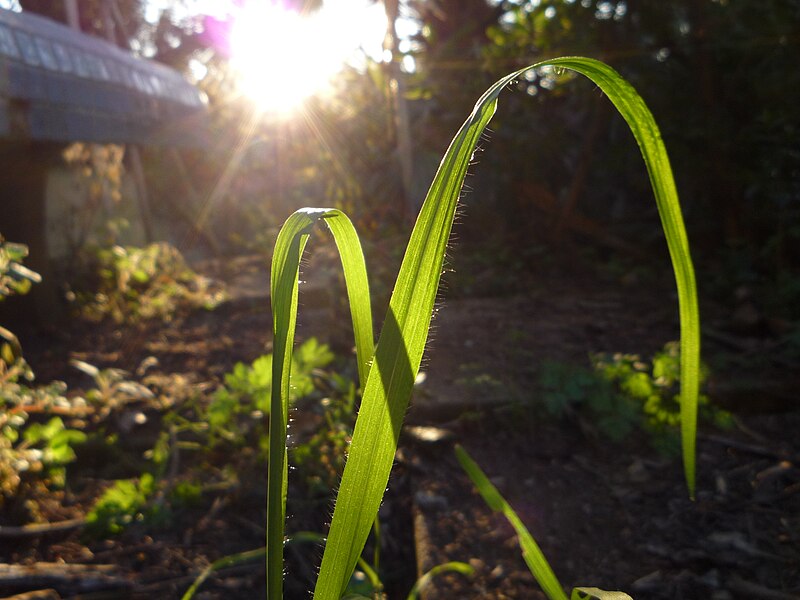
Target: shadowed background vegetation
(718, 75)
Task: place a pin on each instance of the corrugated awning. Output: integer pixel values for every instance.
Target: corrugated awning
(57, 84)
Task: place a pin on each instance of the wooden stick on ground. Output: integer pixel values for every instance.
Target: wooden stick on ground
(61, 576)
(7, 531)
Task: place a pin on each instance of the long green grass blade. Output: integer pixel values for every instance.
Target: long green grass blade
(289, 247)
(643, 126)
(531, 552)
(397, 359)
(405, 329)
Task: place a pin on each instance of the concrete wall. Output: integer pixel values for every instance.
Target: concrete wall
(77, 216)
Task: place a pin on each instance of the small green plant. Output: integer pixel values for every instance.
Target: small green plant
(15, 278)
(31, 451)
(232, 418)
(651, 389)
(152, 282)
(35, 451)
(623, 392)
(125, 502)
(236, 410)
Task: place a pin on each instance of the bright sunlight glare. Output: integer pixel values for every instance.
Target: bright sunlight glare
(283, 57)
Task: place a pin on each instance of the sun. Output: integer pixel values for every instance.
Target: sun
(283, 57)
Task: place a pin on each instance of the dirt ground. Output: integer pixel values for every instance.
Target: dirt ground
(612, 515)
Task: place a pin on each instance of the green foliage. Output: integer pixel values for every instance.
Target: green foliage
(236, 408)
(15, 278)
(651, 389)
(246, 386)
(233, 418)
(35, 453)
(55, 441)
(146, 283)
(623, 393)
(125, 502)
(32, 451)
(674, 53)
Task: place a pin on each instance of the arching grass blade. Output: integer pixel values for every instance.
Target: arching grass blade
(405, 330)
(643, 126)
(288, 251)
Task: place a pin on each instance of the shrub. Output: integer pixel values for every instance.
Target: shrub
(152, 282)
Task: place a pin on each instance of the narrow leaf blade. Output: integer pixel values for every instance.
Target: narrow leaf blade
(289, 247)
(534, 558)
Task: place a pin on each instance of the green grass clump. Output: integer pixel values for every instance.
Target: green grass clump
(387, 371)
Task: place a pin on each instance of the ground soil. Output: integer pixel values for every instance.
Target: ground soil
(613, 515)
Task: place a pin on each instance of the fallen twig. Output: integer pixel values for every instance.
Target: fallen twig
(62, 576)
(751, 448)
(10, 531)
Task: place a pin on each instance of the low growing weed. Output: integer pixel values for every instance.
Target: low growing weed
(622, 393)
(35, 443)
(651, 389)
(230, 422)
(15, 278)
(31, 451)
(236, 411)
(125, 502)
